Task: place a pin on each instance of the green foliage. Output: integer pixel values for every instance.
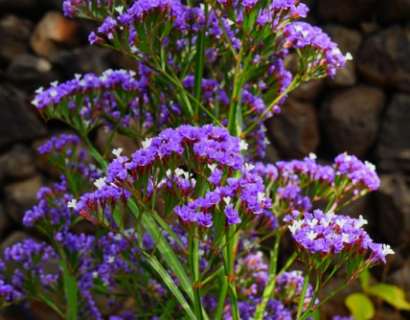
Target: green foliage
(391, 294)
(360, 306)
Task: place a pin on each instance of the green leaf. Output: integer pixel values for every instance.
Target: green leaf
(365, 279)
(391, 294)
(360, 306)
(171, 284)
(70, 287)
(316, 315)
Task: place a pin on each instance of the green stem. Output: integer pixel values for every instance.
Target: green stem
(262, 116)
(193, 254)
(288, 263)
(222, 296)
(228, 254)
(97, 156)
(303, 294)
(312, 302)
(269, 289)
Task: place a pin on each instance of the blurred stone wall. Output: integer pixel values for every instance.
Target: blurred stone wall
(364, 110)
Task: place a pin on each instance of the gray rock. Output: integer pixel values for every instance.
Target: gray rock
(82, 60)
(393, 146)
(294, 131)
(393, 203)
(346, 11)
(308, 91)
(15, 33)
(384, 58)
(393, 11)
(17, 164)
(129, 145)
(17, 123)
(30, 72)
(350, 119)
(21, 196)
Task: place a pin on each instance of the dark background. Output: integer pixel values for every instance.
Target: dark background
(364, 110)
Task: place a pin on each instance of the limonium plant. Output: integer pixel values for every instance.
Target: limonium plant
(189, 226)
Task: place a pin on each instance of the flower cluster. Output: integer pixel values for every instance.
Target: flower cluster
(319, 237)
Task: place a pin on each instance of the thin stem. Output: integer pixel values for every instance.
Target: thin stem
(222, 296)
(269, 289)
(288, 263)
(262, 116)
(193, 254)
(312, 301)
(303, 294)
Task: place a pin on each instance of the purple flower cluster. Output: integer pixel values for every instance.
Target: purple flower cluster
(302, 35)
(320, 235)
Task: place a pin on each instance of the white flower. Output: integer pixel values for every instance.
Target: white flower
(266, 141)
(263, 128)
(360, 223)
(99, 183)
(345, 237)
(212, 167)
(312, 156)
(117, 152)
(249, 167)
(118, 237)
(349, 56)
(340, 222)
(53, 93)
(387, 249)
(297, 224)
(132, 73)
(111, 259)
(72, 204)
(54, 84)
(95, 274)
(298, 28)
(82, 83)
(134, 49)
(335, 51)
(119, 9)
(146, 143)
(312, 222)
(243, 145)
(77, 76)
(227, 200)
(39, 90)
(370, 165)
(230, 22)
(311, 235)
(202, 6)
(35, 102)
(261, 196)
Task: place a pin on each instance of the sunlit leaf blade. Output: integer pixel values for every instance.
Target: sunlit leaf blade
(360, 306)
(391, 294)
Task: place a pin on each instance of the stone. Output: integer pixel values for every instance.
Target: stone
(345, 77)
(15, 34)
(5, 222)
(21, 196)
(347, 39)
(393, 11)
(17, 123)
(17, 164)
(129, 145)
(393, 146)
(30, 72)
(17, 5)
(393, 203)
(295, 132)
(350, 119)
(52, 33)
(308, 91)
(346, 11)
(384, 58)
